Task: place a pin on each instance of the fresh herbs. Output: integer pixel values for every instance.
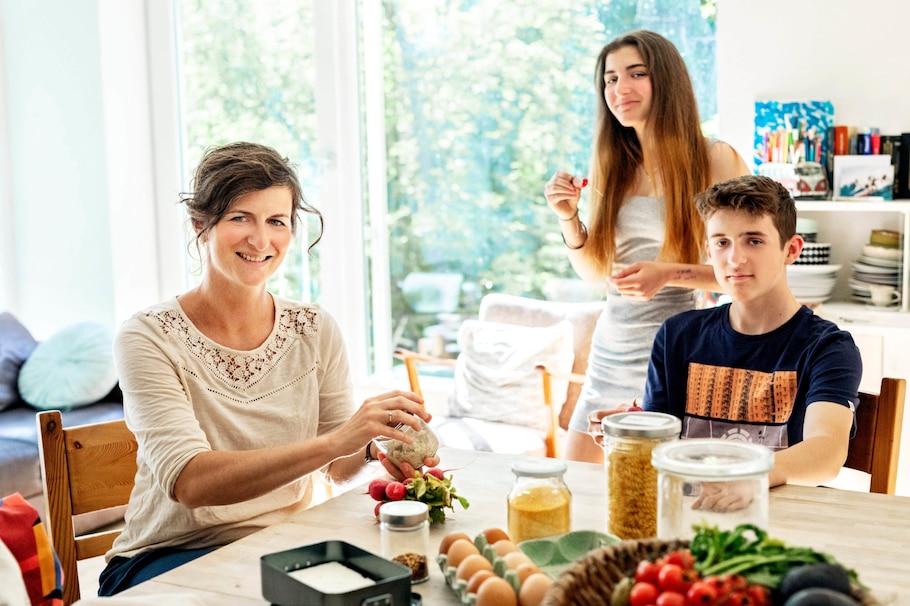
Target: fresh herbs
(748, 551)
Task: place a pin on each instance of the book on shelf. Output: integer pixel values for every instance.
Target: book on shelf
(903, 167)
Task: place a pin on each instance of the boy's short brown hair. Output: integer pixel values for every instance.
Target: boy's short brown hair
(756, 195)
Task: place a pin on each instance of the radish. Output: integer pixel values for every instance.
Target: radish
(395, 491)
(377, 489)
(435, 471)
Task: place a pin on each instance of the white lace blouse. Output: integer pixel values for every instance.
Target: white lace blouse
(185, 394)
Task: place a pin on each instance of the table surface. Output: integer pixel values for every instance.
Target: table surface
(868, 532)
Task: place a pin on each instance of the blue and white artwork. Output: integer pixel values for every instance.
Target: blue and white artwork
(863, 177)
(792, 131)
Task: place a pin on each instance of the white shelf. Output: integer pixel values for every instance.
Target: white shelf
(864, 207)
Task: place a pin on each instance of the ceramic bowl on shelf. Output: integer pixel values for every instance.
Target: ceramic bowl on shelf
(885, 237)
(882, 252)
(814, 253)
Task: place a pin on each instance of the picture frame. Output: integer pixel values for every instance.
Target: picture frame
(867, 176)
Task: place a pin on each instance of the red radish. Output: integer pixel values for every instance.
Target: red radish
(376, 509)
(395, 491)
(435, 471)
(377, 488)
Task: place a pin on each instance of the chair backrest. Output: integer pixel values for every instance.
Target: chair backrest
(513, 309)
(876, 445)
(83, 468)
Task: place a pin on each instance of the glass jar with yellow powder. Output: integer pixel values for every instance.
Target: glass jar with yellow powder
(540, 502)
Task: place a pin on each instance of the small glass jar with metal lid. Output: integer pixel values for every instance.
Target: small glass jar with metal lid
(539, 502)
(629, 439)
(722, 483)
(404, 529)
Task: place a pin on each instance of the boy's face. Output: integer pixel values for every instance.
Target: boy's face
(746, 254)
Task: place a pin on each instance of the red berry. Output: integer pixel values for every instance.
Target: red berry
(395, 491)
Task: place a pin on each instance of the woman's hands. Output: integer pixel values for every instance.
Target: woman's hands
(725, 496)
(380, 416)
(562, 192)
(640, 281)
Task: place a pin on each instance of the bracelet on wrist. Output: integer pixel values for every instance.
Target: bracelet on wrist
(368, 456)
(569, 218)
(584, 231)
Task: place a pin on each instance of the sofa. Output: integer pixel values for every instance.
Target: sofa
(71, 371)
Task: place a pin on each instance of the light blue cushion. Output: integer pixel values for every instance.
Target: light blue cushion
(74, 367)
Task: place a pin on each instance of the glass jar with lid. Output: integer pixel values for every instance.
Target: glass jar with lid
(539, 502)
(404, 529)
(629, 439)
(722, 483)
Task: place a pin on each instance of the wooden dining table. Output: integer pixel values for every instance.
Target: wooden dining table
(867, 532)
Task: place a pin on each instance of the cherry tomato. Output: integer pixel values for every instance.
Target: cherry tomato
(701, 593)
(673, 578)
(761, 595)
(646, 572)
(643, 594)
(682, 558)
(671, 598)
(738, 597)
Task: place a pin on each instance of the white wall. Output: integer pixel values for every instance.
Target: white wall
(851, 52)
(75, 99)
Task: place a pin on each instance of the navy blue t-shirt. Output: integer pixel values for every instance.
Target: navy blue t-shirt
(754, 388)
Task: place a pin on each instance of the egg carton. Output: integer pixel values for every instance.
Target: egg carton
(460, 586)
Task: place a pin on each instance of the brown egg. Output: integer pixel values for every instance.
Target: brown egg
(504, 546)
(525, 570)
(495, 534)
(450, 538)
(459, 550)
(496, 591)
(515, 558)
(470, 565)
(533, 589)
(479, 577)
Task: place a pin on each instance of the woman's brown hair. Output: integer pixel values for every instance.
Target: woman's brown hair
(675, 145)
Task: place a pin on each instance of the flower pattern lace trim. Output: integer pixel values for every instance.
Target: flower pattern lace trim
(240, 369)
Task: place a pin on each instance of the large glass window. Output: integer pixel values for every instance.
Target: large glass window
(247, 73)
(484, 100)
(480, 102)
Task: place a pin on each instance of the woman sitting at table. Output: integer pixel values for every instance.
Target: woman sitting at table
(237, 396)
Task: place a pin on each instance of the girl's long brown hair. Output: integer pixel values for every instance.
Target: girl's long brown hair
(676, 147)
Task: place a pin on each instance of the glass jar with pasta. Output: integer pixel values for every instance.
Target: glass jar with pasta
(629, 438)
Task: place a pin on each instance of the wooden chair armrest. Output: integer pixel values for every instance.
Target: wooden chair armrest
(572, 377)
(412, 359)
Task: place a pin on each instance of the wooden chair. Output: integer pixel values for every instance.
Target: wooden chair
(876, 445)
(84, 468)
(523, 311)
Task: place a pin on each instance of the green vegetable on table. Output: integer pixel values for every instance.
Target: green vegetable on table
(437, 493)
(748, 551)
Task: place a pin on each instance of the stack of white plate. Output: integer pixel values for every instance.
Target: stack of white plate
(812, 283)
(877, 265)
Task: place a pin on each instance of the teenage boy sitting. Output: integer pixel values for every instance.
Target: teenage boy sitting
(764, 368)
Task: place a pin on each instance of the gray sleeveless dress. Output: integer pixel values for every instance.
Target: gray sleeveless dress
(621, 344)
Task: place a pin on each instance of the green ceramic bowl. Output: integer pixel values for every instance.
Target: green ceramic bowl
(553, 554)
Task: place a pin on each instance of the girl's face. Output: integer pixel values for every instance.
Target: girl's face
(627, 87)
(251, 240)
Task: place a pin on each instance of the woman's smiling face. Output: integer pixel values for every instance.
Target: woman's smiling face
(251, 240)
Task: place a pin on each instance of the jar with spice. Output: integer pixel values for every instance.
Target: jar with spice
(722, 483)
(404, 529)
(629, 439)
(539, 502)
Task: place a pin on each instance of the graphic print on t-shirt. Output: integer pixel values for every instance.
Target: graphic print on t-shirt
(739, 404)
